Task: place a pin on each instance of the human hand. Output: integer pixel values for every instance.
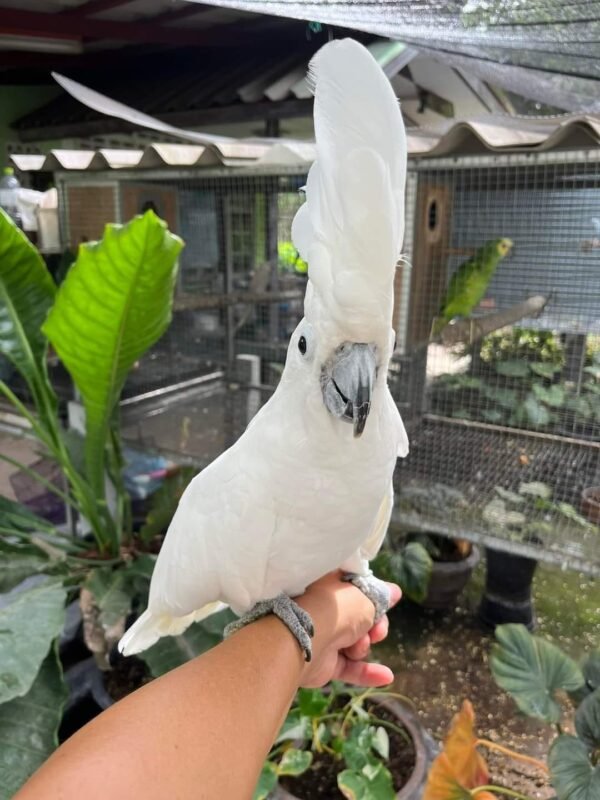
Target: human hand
(344, 632)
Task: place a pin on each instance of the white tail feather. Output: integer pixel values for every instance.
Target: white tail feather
(148, 628)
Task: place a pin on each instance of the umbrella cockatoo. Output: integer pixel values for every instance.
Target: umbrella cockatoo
(307, 489)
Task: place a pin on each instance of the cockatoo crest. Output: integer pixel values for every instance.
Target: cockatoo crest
(350, 228)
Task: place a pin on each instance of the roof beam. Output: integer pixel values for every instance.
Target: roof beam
(32, 23)
(240, 112)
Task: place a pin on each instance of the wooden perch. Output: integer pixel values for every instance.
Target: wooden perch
(467, 331)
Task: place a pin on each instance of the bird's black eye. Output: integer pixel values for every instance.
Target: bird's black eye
(302, 345)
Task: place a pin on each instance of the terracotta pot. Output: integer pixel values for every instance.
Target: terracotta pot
(425, 752)
(448, 579)
(590, 504)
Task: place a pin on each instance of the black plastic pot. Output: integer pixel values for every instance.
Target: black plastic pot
(508, 590)
(448, 579)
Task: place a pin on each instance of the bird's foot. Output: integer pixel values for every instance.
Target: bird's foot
(296, 619)
(377, 591)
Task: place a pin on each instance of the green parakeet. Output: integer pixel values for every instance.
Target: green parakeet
(469, 283)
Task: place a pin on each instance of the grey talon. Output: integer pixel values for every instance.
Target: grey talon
(377, 591)
(296, 619)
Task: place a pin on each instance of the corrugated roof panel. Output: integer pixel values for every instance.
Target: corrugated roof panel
(27, 162)
(68, 159)
(172, 155)
(115, 159)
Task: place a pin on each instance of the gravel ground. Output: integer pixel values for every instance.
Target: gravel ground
(442, 658)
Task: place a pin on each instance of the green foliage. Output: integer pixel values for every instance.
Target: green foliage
(163, 503)
(343, 723)
(26, 294)
(409, 567)
(29, 726)
(29, 623)
(532, 671)
(587, 721)
(573, 775)
(173, 651)
(114, 304)
(289, 259)
(517, 382)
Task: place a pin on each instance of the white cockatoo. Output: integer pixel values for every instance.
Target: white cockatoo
(307, 489)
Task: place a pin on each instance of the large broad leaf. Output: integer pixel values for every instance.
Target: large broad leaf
(29, 726)
(28, 625)
(537, 413)
(17, 562)
(513, 369)
(573, 775)
(531, 670)
(114, 304)
(415, 571)
(26, 293)
(591, 671)
(111, 591)
(587, 721)
(294, 762)
(552, 395)
(173, 651)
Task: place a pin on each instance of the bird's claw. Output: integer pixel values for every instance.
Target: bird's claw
(376, 590)
(295, 618)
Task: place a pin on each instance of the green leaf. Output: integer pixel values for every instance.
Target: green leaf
(164, 501)
(513, 369)
(294, 762)
(580, 405)
(296, 727)
(594, 371)
(26, 293)
(113, 305)
(373, 783)
(18, 562)
(414, 571)
(591, 671)
(536, 489)
(572, 773)
(173, 651)
(381, 742)
(312, 702)
(507, 398)
(508, 496)
(587, 721)
(496, 513)
(543, 369)
(567, 510)
(492, 415)
(29, 726)
(112, 593)
(28, 624)
(267, 781)
(552, 395)
(537, 413)
(531, 669)
(19, 517)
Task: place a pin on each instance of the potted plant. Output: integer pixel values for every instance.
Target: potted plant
(344, 742)
(431, 569)
(113, 304)
(529, 515)
(532, 671)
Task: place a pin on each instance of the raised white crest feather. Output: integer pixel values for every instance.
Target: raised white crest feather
(351, 227)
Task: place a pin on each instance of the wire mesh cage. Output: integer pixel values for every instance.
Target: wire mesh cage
(502, 403)
(502, 358)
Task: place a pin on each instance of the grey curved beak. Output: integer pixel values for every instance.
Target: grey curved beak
(348, 381)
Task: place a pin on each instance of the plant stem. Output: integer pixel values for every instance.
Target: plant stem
(501, 790)
(507, 752)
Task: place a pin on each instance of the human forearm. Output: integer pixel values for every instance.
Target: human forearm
(201, 731)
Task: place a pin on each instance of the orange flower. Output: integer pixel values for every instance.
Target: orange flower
(459, 768)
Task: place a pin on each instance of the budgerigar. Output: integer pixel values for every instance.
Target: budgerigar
(469, 283)
(307, 489)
